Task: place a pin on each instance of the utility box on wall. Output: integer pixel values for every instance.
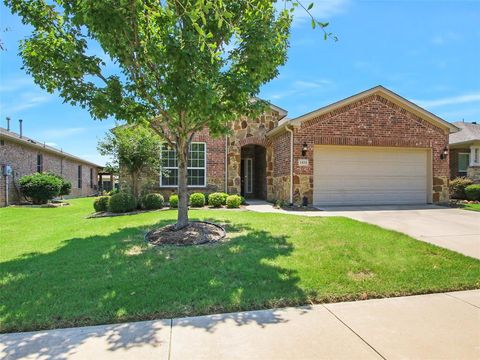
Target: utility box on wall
(7, 170)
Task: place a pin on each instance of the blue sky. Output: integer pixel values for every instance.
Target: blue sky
(426, 51)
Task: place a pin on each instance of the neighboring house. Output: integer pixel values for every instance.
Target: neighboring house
(372, 148)
(26, 156)
(465, 151)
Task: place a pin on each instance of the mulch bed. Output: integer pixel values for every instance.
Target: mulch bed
(300, 208)
(103, 214)
(196, 233)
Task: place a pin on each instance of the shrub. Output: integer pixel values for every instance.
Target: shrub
(152, 201)
(457, 187)
(40, 187)
(197, 200)
(121, 202)
(216, 199)
(473, 192)
(173, 201)
(206, 198)
(244, 202)
(66, 187)
(224, 196)
(234, 201)
(113, 191)
(101, 203)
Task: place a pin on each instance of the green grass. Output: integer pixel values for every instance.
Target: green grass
(472, 207)
(59, 269)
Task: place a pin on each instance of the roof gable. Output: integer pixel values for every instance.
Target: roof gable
(384, 93)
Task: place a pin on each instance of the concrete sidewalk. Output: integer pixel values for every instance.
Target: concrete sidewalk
(436, 326)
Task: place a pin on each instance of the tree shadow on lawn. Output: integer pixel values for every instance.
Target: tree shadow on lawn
(119, 277)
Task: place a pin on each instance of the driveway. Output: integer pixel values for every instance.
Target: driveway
(454, 229)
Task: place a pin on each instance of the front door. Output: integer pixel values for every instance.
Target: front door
(247, 176)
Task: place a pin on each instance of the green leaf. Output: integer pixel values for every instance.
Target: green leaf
(313, 24)
(310, 6)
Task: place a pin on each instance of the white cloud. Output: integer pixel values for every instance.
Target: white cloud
(452, 100)
(62, 133)
(26, 101)
(299, 87)
(52, 144)
(445, 38)
(13, 84)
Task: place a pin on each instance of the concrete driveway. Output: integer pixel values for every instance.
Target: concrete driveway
(454, 229)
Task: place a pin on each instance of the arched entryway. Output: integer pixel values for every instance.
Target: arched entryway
(253, 171)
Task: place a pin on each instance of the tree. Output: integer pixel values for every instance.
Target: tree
(185, 64)
(135, 150)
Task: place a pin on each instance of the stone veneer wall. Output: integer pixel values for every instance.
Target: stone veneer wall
(23, 159)
(246, 132)
(372, 121)
(473, 172)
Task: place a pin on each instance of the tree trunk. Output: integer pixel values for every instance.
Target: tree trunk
(182, 154)
(135, 182)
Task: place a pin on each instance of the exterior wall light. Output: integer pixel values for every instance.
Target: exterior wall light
(444, 153)
(304, 149)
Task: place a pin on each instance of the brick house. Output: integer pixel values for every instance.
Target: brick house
(465, 151)
(371, 148)
(26, 156)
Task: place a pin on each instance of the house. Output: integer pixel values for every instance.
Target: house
(465, 151)
(372, 148)
(20, 155)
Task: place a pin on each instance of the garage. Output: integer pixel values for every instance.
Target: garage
(357, 175)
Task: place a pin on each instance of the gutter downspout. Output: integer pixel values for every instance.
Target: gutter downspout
(226, 164)
(291, 164)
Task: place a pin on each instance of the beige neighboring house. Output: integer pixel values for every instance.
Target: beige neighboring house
(20, 155)
(465, 151)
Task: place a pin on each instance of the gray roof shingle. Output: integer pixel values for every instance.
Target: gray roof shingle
(468, 132)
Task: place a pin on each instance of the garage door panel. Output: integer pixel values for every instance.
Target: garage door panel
(360, 176)
(372, 184)
(366, 170)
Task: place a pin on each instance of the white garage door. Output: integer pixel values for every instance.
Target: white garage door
(369, 176)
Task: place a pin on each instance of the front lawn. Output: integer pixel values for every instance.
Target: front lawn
(59, 269)
(472, 207)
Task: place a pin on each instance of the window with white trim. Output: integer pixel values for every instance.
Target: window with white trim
(197, 165)
(475, 156)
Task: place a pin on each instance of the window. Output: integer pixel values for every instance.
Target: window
(91, 178)
(39, 162)
(79, 185)
(196, 165)
(476, 156)
(463, 160)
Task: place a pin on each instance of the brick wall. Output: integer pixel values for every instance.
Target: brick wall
(215, 148)
(23, 159)
(372, 121)
(244, 132)
(281, 167)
